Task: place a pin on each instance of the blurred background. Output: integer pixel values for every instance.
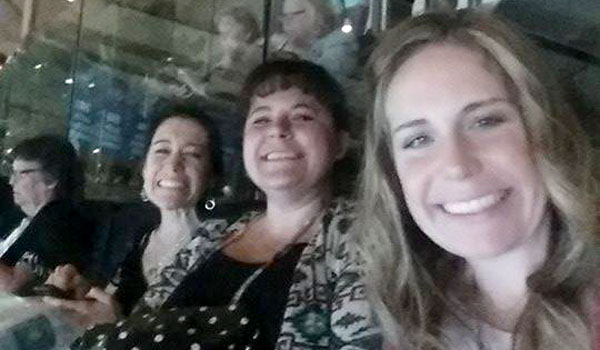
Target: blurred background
(97, 70)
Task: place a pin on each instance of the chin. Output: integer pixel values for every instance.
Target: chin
(481, 247)
(172, 203)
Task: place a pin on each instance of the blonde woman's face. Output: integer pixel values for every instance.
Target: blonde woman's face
(462, 157)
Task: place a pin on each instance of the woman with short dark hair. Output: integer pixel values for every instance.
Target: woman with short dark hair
(181, 162)
(283, 277)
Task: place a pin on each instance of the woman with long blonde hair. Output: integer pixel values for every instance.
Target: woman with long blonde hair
(480, 212)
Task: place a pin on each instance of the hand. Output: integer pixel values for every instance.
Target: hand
(6, 278)
(67, 278)
(13, 278)
(98, 307)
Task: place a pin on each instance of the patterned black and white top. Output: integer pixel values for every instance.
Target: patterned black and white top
(326, 305)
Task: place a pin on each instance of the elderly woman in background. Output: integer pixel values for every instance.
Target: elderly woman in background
(312, 32)
(180, 163)
(238, 52)
(291, 281)
(47, 182)
(480, 213)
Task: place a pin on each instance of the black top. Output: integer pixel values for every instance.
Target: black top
(58, 234)
(132, 284)
(216, 282)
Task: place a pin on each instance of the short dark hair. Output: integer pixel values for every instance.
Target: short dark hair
(311, 78)
(191, 112)
(58, 158)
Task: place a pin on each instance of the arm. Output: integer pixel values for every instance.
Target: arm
(352, 322)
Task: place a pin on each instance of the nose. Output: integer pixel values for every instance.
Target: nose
(459, 160)
(175, 161)
(280, 128)
(11, 179)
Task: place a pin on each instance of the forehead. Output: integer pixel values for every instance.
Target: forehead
(228, 22)
(444, 76)
(21, 164)
(294, 5)
(285, 98)
(178, 129)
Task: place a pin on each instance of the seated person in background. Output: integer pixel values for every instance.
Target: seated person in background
(284, 277)
(480, 211)
(238, 39)
(47, 182)
(312, 32)
(238, 52)
(181, 161)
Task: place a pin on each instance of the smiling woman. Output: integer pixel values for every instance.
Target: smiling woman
(292, 278)
(480, 218)
(181, 161)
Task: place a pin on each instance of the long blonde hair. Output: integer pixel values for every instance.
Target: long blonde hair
(408, 275)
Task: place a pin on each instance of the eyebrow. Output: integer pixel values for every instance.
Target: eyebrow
(476, 105)
(260, 109)
(305, 105)
(296, 106)
(466, 110)
(195, 144)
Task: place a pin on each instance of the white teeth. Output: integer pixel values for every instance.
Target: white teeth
(281, 155)
(170, 184)
(473, 206)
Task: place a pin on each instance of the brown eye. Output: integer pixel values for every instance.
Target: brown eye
(418, 141)
(489, 121)
(260, 121)
(304, 117)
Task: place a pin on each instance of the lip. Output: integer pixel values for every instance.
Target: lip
(280, 155)
(171, 184)
(476, 204)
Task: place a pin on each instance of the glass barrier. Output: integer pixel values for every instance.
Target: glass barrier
(98, 70)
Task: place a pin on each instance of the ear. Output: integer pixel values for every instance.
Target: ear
(343, 144)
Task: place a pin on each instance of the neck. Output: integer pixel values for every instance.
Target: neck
(32, 210)
(177, 223)
(287, 213)
(304, 42)
(502, 280)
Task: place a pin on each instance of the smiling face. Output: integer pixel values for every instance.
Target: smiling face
(461, 154)
(290, 142)
(178, 164)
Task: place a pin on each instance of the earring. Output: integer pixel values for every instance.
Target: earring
(210, 204)
(144, 195)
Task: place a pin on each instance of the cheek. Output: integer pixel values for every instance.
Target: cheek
(202, 172)
(248, 150)
(148, 172)
(413, 177)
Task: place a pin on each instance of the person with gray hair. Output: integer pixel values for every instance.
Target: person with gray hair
(47, 182)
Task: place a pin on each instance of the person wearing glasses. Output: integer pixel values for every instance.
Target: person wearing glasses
(47, 181)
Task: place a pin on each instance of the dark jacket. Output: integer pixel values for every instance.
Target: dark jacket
(57, 234)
